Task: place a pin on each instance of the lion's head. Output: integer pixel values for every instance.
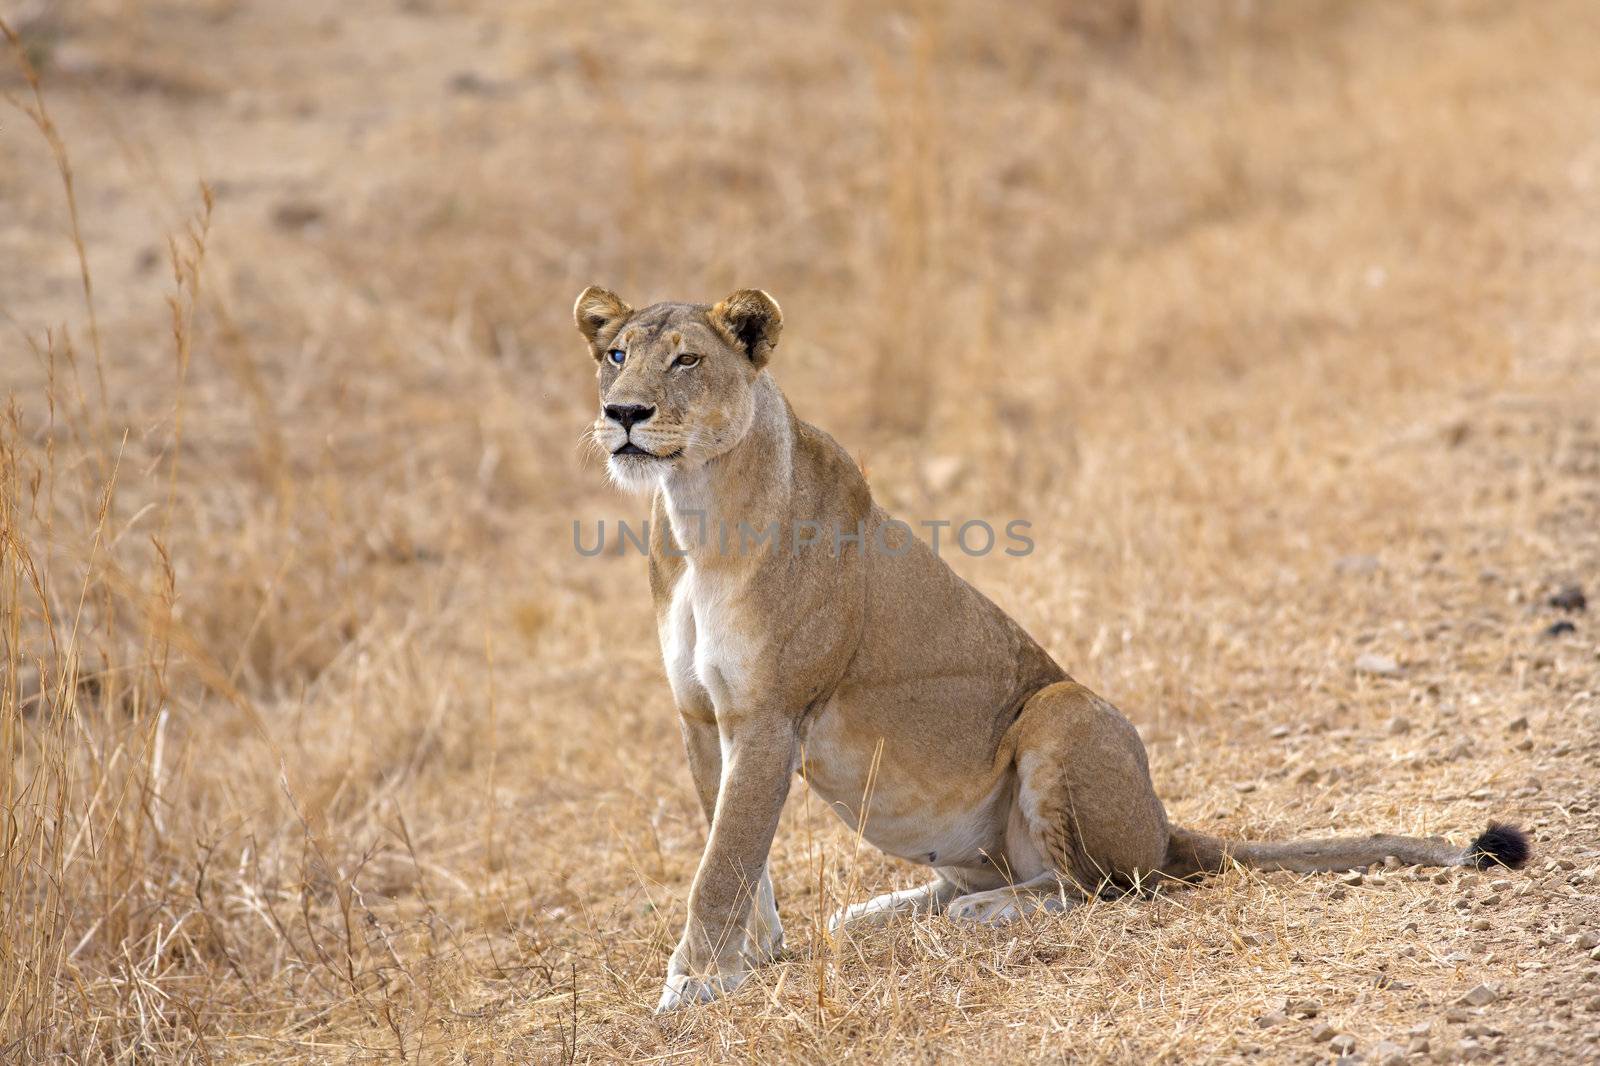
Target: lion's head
(675, 379)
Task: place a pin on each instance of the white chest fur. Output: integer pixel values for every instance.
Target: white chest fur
(704, 644)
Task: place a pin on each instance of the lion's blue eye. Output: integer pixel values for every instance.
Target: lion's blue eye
(617, 356)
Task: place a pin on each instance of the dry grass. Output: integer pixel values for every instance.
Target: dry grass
(323, 745)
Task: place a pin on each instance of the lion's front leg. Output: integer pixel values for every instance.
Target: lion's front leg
(704, 748)
(714, 955)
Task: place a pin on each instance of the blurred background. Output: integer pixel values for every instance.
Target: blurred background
(1277, 321)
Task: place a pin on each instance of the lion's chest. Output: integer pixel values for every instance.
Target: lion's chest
(706, 643)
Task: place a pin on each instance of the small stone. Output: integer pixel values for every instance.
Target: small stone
(1588, 939)
(1570, 598)
(1307, 1008)
(1386, 1052)
(1344, 1043)
(1323, 1033)
(1457, 1016)
(1418, 1046)
(1278, 732)
(1481, 996)
(1481, 925)
(1244, 786)
(1518, 724)
(1356, 565)
(1267, 1021)
(1398, 726)
(471, 83)
(943, 472)
(1352, 878)
(1501, 886)
(1376, 665)
(296, 215)
(1558, 629)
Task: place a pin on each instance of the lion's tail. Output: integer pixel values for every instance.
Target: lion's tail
(1191, 854)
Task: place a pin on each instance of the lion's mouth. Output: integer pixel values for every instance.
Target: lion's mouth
(631, 448)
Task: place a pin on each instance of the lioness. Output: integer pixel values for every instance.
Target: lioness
(804, 630)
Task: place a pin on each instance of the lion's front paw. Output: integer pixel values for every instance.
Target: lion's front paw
(768, 943)
(764, 931)
(685, 990)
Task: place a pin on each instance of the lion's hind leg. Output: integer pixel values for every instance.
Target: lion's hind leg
(1086, 812)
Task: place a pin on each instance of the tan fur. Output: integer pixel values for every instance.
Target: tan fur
(1021, 788)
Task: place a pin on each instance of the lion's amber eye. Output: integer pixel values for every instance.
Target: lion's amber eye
(617, 356)
(686, 360)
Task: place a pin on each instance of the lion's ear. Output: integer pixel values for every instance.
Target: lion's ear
(598, 313)
(751, 320)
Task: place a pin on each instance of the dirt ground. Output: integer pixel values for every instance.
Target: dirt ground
(1279, 322)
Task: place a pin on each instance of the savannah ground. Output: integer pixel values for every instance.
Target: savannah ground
(1279, 322)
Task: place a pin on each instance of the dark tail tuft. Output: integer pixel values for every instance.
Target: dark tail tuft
(1500, 845)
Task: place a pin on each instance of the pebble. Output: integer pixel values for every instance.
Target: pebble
(296, 214)
(1323, 1033)
(1307, 1008)
(1398, 726)
(1385, 1052)
(1267, 1021)
(1570, 598)
(1356, 565)
(1344, 1043)
(1377, 665)
(943, 471)
(1481, 996)
(1558, 629)
(1587, 940)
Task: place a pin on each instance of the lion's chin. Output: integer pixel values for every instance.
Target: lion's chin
(638, 474)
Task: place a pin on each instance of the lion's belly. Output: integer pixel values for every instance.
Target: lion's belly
(911, 810)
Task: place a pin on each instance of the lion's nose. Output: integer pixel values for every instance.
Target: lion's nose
(629, 413)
